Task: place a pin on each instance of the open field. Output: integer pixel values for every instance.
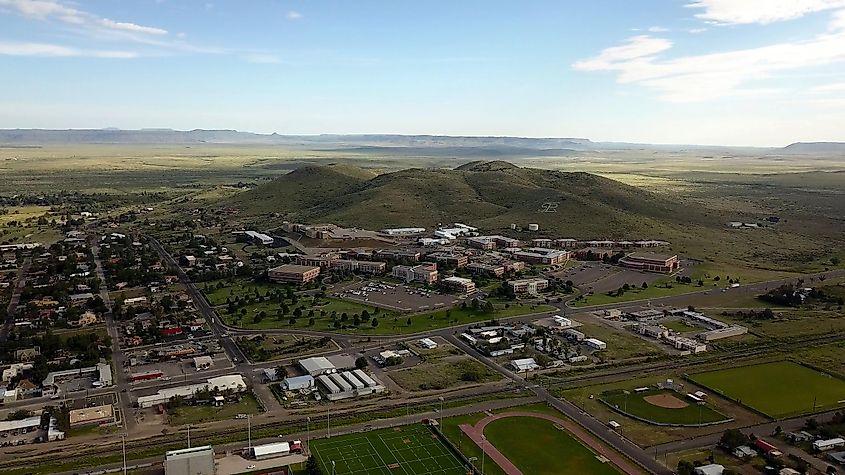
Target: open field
(216, 292)
(445, 373)
(621, 345)
(537, 446)
(206, 413)
(763, 387)
(408, 450)
(643, 405)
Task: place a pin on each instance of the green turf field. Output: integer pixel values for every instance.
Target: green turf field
(408, 450)
(636, 405)
(537, 447)
(777, 389)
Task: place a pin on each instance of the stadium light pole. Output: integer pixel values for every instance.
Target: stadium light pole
(308, 434)
(333, 469)
(189, 436)
(440, 422)
(249, 431)
(329, 420)
(626, 399)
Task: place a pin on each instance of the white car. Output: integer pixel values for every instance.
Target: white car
(250, 467)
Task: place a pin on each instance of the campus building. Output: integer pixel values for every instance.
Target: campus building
(425, 273)
(650, 262)
(459, 283)
(293, 273)
(530, 286)
(364, 267)
(536, 255)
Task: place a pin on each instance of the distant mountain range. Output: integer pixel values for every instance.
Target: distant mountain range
(370, 143)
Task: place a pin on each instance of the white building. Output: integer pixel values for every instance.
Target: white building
(231, 382)
(402, 231)
(427, 343)
(561, 322)
(524, 365)
(711, 469)
(829, 444)
(317, 365)
(595, 344)
(298, 383)
(192, 461)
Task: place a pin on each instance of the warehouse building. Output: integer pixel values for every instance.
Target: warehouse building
(298, 383)
(269, 451)
(19, 427)
(233, 382)
(293, 273)
(317, 365)
(191, 461)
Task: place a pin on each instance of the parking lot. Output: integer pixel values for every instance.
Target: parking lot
(599, 277)
(398, 297)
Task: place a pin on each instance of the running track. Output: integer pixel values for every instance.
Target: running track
(475, 433)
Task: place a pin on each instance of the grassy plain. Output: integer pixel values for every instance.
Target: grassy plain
(763, 388)
(444, 373)
(207, 413)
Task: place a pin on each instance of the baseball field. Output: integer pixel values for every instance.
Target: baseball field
(663, 406)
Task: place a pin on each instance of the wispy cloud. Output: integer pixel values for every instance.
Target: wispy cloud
(828, 88)
(58, 51)
(57, 11)
(641, 60)
(294, 15)
(740, 12)
(657, 29)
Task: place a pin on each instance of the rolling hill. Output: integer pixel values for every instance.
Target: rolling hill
(488, 194)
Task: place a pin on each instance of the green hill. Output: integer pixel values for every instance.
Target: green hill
(491, 195)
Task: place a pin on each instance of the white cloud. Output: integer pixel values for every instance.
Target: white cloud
(635, 49)
(55, 10)
(658, 29)
(294, 15)
(740, 12)
(826, 88)
(709, 76)
(57, 51)
(696, 30)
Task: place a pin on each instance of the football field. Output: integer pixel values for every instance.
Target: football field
(408, 450)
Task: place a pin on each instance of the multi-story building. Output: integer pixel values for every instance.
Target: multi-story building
(535, 255)
(459, 283)
(398, 255)
(297, 274)
(449, 259)
(496, 270)
(650, 262)
(530, 286)
(492, 242)
(425, 273)
(365, 267)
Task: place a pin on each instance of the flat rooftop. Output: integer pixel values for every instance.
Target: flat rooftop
(293, 268)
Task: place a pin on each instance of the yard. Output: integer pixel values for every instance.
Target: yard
(186, 414)
(778, 389)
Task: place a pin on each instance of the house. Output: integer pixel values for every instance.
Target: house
(595, 344)
(822, 445)
(743, 452)
(427, 343)
(525, 364)
(709, 469)
(26, 388)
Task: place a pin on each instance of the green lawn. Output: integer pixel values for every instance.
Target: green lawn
(620, 344)
(635, 404)
(409, 450)
(537, 447)
(207, 413)
(778, 389)
(389, 323)
(231, 289)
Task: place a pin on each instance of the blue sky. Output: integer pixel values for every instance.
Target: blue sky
(738, 72)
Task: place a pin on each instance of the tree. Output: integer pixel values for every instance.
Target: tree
(733, 438)
(361, 362)
(281, 372)
(685, 467)
(374, 323)
(645, 285)
(311, 467)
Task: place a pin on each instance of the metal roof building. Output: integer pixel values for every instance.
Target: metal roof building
(193, 461)
(353, 380)
(279, 449)
(328, 384)
(317, 365)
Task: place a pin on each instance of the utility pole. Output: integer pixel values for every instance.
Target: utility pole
(308, 434)
(249, 431)
(440, 423)
(483, 439)
(329, 420)
(189, 436)
(123, 443)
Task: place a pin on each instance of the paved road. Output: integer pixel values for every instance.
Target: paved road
(11, 311)
(118, 357)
